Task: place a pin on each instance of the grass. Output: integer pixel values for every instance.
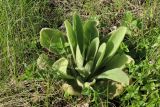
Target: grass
(20, 23)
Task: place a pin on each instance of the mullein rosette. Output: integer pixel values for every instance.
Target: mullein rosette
(93, 61)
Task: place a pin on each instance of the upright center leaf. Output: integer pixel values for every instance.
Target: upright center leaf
(78, 29)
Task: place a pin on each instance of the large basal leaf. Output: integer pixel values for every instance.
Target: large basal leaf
(116, 75)
(119, 61)
(90, 31)
(72, 87)
(71, 38)
(79, 62)
(79, 58)
(81, 71)
(52, 40)
(69, 89)
(43, 62)
(114, 41)
(61, 66)
(88, 67)
(85, 70)
(100, 55)
(113, 88)
(93, 48)
(78, 29)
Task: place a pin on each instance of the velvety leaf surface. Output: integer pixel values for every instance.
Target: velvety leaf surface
(90, 31)
(100, 55)
(78, 28)
(79, 58)
(114, 41)
(71, 38)
(61, 66)
(43, 62)
(93, 48)
(52, 40)
(116, 75)
(119, 61)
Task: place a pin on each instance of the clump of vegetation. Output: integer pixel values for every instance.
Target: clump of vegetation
(92, 59)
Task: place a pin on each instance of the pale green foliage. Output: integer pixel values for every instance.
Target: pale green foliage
(61, 66)
(115, 74)
(43, 62)
(92, 60)
(71, 37)
(52, 39)
(114, 41)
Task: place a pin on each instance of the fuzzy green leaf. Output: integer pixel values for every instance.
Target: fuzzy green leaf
(81, 71)
(88, 67)
(93, 48)
(61, 66)
(80, 82)
(115, 41)
(78, 28)
(52, 40)
(100, 55)
(43, 62)
(79, 58)
(69, 89)
(71, 38)
(90, 31)
(116, 75)
(119, 61)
